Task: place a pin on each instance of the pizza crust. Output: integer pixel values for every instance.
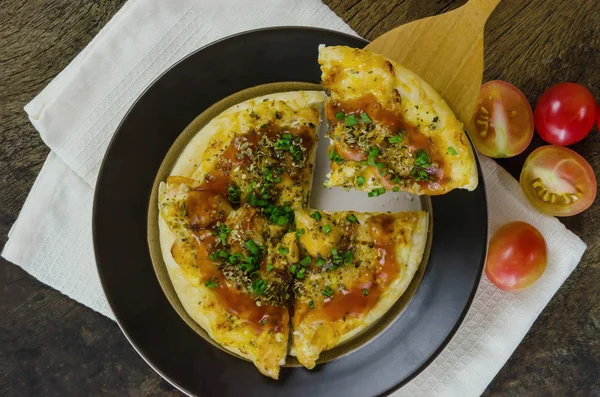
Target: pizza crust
(351, 73)
(311, 338)
(190, 160)
(413, 259)
(267, 350)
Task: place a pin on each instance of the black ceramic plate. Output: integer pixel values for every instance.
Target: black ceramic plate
(143, 312)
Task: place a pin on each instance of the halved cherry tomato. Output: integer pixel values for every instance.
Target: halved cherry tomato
(385, 182)
(558, 181)
(517, 256)
(347, 153)
(503, 121)
(565, 114)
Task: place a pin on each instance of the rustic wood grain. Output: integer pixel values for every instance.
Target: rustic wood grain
(457, 38)
(52, 345)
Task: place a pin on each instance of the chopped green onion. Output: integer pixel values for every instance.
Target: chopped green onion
(219, 254)
(293, 269)
(352, 218)
(268, 174)
(422, 162)
(280, 215)
(300, 273)
(360, 180)
(296, 152)
(254, 201)
(320, 262)
(234, 258)
(253, 247)
(335, 157)
(259, 286)
(452, 151)
(305, 261)
(365, 118)
(212, 284)
(351, 119)
(377, 192)
(326, 229)
(339, 116)
(328, 292)
(422, 159)
(233, 194)
(363, 163)
(283, 250)
(373, 152)
(395, 139)
(249, 264)
(316, 216)
(347, 257)
(283, 143)
(311, 304)
(270, 267)
(299, 232)
(396, 189)
(365, 292)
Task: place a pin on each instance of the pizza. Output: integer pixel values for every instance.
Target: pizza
(252, 264)
(353, 267)
(389, 129)
(225, 218)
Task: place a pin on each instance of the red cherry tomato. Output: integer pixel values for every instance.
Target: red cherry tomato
(558, 181)
(503, 121)
(565, 114)
(348, 153)
(517, 256)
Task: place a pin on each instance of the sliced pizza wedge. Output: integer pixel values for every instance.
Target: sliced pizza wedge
(226, 221)
(352, 268)
(261, 151)
(389, 129)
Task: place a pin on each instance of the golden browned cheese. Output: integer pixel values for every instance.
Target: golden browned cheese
(227, 226)
(356, 265)
(241, 246)
(389, 129)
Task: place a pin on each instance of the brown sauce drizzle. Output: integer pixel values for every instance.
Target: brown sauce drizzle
(353, 302)
(207, 205)
(414, 139)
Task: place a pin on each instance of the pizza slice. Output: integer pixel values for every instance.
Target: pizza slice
(227, 219)
(352, 268)
(389, 129)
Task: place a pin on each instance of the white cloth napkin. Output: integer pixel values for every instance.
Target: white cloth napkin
(77, 113)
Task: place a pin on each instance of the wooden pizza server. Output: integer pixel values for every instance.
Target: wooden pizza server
(446, 51)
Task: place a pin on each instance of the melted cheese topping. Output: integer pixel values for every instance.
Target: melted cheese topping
(360, 265)
(239, 243)
(227, 224)
(389, 129)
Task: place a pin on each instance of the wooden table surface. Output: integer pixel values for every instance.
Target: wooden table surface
(51, 345)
